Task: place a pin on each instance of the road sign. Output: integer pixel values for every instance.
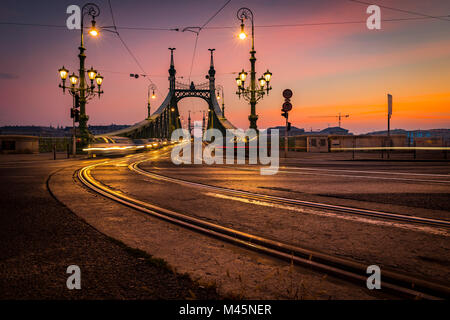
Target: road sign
(287, 94)
(287, 106)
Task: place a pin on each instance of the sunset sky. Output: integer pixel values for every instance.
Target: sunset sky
(331, 68)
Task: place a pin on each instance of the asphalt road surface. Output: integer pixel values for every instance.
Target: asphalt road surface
(41, 236)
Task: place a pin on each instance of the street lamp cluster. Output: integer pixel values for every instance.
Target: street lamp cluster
(254, 92)
(79, 88)
(74, 80)
(263, 82)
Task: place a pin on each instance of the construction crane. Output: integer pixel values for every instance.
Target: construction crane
(339, 117)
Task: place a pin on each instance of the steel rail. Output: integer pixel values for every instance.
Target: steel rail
(393, 282)
(281, 200)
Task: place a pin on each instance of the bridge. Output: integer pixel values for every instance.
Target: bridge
(166, 118)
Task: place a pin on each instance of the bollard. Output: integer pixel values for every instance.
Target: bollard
(54, 151)
(68, 151)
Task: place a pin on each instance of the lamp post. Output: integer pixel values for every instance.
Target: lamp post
(219, 90)
(151, 87)
(254, 92)
(79, 88)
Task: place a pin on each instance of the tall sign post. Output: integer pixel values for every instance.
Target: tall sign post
(389, 113)
(389, 123)
(287, 106)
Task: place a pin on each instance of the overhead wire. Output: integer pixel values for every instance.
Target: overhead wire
(198, 33)
(292, 25)
(400, 10)
(129, 50)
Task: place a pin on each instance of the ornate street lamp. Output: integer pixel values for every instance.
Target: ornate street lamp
(255, 91)
(93, 31)
(92, 74)
(73, 80)
(219, 89)
(151, 87)
(82, 91)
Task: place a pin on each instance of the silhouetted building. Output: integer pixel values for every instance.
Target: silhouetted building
(293, 132)
(413, 134)
(335, 130)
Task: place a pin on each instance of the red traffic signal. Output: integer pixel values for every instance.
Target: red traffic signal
(287, 106)
(287, 94)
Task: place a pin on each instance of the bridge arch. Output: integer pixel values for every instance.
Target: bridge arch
(166, 118)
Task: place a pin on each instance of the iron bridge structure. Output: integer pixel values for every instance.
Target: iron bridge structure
(166, 118)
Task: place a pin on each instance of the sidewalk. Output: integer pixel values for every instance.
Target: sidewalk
(37, 157)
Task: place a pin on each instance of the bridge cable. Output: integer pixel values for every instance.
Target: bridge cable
(129, 50)
(198, 33)
(215, 14)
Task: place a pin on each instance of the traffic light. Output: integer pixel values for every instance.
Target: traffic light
(77, 115)
(289, 126)
(284, 114)
(77, 101)
(72, 112)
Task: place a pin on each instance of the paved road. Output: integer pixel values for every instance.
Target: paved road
(40, 238)
(419, 189)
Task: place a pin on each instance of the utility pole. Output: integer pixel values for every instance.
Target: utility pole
(389, 114)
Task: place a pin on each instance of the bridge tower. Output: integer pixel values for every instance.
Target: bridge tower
(172, 71)
(212, 89)
(166, 118)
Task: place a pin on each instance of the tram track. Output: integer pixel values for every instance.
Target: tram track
(294, 202)
(393, 282)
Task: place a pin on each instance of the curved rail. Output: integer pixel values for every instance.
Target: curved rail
(394, 282)
(287, 201)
